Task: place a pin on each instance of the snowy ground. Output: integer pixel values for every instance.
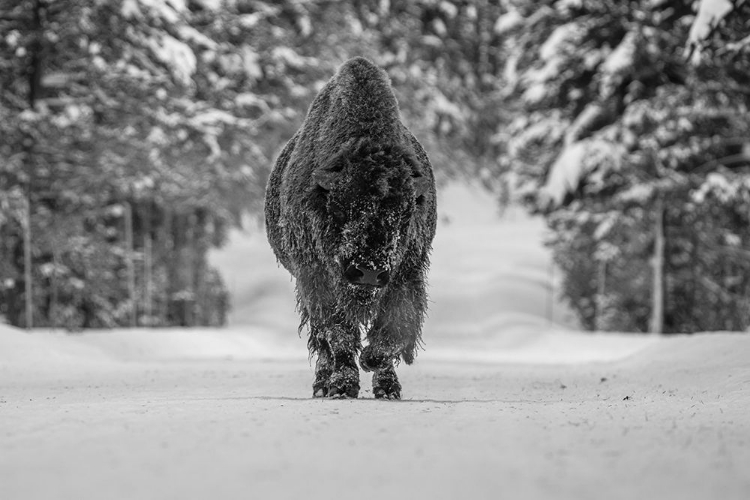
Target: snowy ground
(505, 402)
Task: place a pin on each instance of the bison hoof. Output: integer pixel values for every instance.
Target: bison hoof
(320, 386)
(373, 360)
(320, 393)
(385, 385)
(344, 383)
(381, 393)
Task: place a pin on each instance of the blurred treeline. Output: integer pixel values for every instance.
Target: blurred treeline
(135, 133)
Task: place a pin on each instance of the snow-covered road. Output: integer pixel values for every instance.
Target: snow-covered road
(669, 423)
(505, 402)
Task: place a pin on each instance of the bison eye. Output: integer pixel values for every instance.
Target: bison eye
(338, 214)
(326, 176)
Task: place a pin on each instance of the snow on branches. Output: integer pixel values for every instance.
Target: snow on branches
(710, 14)
(577, 162)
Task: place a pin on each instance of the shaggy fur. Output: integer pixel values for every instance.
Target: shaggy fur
(353, 186)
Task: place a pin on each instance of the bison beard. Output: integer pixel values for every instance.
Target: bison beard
(350, 213)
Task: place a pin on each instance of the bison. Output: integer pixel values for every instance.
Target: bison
(350, 213)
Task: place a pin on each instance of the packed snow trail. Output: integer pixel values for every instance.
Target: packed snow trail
(670, 422)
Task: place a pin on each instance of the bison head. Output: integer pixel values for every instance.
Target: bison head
(369, 196)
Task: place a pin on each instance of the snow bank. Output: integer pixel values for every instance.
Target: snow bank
(55, 350)
(43, 351)
(542, 347)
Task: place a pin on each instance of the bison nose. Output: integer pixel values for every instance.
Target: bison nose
(360, 275)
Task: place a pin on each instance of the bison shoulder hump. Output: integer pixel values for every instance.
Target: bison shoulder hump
(363, 102)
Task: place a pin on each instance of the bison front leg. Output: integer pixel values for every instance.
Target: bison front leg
(336, 371)
(395, 333)
(323, 370)
(379, 357)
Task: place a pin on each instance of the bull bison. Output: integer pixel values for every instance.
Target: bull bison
(350, 213)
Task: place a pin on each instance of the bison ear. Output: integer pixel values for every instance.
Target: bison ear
(421, 184)
(421, 181)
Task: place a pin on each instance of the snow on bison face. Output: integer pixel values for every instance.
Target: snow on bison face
(369, 196)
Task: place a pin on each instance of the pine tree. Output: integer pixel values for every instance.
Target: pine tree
(619, 133)
(103, 114)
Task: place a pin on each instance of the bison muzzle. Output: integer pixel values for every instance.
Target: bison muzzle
(350, 213)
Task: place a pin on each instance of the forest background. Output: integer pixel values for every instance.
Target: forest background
(135, 133)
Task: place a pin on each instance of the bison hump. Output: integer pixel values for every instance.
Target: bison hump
(364, 99)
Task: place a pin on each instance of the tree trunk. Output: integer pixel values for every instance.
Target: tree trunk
(37, 55)
(200, 249)
(657, 295)
(53, 314)
(551, 292)
(35, 70)
(27, 266)
(129, 262)
(148, 277)
(484, 25)
(166, 249)
(146, 215)
(601, 291)
(188, 278)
